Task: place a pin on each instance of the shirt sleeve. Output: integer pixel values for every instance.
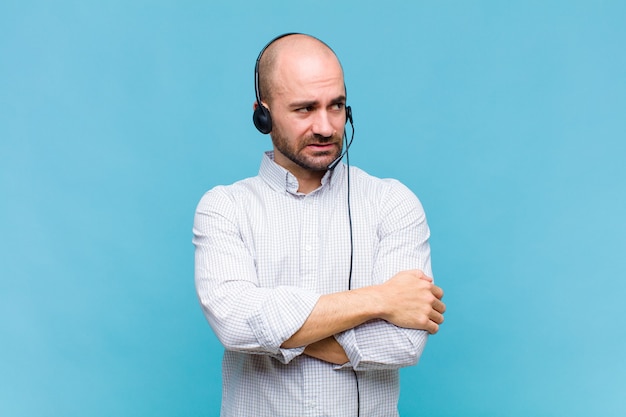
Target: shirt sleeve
(244, 316)
(403, 245)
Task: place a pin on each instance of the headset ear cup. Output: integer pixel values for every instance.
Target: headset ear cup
(348, 114)
(262, 119)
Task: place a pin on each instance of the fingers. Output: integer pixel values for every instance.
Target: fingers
(439, 306)
(436, 317)
(437, 292)
(425, 277)
(433, 328)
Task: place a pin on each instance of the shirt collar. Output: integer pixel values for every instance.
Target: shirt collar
(281, 179)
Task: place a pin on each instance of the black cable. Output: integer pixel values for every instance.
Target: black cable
(350, 219)
(356, 377)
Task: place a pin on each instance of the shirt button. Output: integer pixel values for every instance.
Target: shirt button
(307, 248)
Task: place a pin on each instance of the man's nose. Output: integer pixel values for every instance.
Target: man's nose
(322, 125)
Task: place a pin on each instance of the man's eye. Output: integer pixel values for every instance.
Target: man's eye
(305, 109)
(338, 106)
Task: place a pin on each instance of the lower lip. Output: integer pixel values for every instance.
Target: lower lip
(323, 147)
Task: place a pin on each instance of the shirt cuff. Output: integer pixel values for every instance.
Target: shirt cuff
(381, 345)
(347, 340)
(279, 317)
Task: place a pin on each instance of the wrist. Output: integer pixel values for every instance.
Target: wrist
(373, 302)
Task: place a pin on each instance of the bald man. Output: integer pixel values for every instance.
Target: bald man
(315, 276)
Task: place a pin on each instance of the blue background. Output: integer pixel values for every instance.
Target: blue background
(507, 119)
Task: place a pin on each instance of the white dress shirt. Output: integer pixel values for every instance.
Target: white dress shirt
(264, 255)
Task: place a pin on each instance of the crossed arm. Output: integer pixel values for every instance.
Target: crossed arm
(409, 300)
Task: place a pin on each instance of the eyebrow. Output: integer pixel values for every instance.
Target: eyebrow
(314, 103)
(340, 99)
(302, 104)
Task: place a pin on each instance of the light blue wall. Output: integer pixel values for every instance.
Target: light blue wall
(508, 120)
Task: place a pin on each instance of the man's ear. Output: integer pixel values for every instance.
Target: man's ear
(255, 105)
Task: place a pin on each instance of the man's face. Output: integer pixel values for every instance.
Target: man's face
(308, 113)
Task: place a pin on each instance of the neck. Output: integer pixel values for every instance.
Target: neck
(308, 185)
(308, 180)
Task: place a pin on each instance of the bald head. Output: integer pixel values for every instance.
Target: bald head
(286, 55)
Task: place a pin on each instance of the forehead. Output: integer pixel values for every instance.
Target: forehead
(308, 74)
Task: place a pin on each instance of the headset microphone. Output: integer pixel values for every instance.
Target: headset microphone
(348, 119)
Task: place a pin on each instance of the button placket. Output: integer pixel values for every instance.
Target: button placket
(309, 242)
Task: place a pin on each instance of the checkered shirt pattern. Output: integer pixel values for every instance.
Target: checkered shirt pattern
(264, 255)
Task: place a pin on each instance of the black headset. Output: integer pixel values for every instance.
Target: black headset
(261, 117)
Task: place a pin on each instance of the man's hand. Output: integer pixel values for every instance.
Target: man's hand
(328, 350)
(411, 300)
